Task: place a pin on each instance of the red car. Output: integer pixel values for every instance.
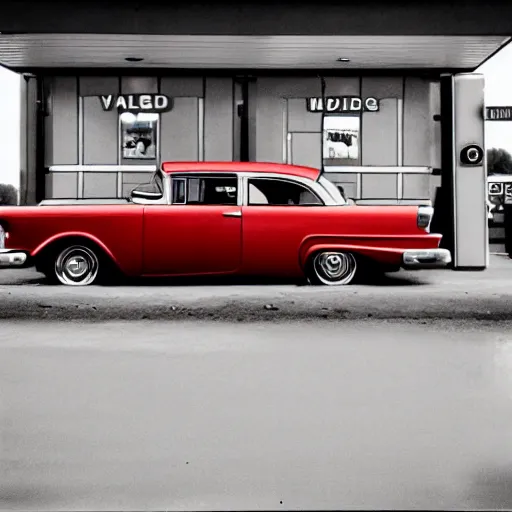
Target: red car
(208, 218)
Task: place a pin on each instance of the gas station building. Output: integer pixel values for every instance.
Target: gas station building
(112, 89)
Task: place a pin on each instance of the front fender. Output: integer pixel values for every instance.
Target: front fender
(72, 234)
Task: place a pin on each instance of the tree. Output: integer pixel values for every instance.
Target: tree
(8, 195)
(499, 161)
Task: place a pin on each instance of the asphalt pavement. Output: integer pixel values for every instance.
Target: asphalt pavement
(292, 415)
(196, 395)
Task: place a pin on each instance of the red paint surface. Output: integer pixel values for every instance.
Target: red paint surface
(196, 239)
(117, 227)
(191, 239)
(278, 239)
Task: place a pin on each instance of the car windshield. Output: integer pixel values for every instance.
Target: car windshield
(332, 189)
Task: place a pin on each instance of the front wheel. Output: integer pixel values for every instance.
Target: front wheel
(76, 265)
(333, 268)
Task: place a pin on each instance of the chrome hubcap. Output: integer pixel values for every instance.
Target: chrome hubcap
(335, 268)
(77, 266)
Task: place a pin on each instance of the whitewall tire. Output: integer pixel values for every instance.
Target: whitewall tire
(333, 268)
(77, 265)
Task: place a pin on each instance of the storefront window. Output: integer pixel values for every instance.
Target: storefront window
(341, 140)
(138, 134)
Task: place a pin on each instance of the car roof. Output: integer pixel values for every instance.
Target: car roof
(263, 167)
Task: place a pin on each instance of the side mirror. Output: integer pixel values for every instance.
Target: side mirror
(146, 192)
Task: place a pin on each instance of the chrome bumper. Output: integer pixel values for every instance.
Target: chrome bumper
(12, 258)
(426, 258)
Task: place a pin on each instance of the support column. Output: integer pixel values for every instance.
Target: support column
(29, 137)
(471, 248)
(460, 206)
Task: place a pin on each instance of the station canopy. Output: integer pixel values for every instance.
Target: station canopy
(363, 35)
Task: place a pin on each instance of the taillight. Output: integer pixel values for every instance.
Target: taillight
(2, 237)
(425, 214)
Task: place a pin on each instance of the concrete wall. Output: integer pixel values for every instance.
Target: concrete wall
(401, 134)
(203, 125)
(80, 133)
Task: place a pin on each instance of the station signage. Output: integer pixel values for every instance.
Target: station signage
(151, 103)
(343, 104)
(498, 113)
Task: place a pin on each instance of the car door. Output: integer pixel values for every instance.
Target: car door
(277, 215)
(200, 232)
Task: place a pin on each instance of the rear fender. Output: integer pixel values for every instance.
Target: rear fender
(72, 234)
(384, 249)
(385, 255)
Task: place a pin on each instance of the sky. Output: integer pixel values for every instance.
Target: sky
(498, 92)
(10, 136)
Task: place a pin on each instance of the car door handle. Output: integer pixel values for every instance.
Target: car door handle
(233, 214)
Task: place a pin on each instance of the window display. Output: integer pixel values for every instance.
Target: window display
(341, 140)
(139, 134)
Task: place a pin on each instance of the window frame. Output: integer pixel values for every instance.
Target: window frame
(176, 180)
(158, 180)
(286, 180)
(198, 175)
(333, 191)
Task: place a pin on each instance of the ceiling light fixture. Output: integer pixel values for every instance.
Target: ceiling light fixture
(343, 59)
(133, 59)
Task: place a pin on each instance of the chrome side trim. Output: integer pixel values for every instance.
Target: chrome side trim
(240, 183)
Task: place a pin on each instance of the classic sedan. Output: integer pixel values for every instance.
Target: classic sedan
(208, 218)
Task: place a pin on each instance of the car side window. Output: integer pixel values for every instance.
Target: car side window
(205, 190)
(277, 192)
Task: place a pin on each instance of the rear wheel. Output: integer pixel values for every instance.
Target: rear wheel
(332, 268)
